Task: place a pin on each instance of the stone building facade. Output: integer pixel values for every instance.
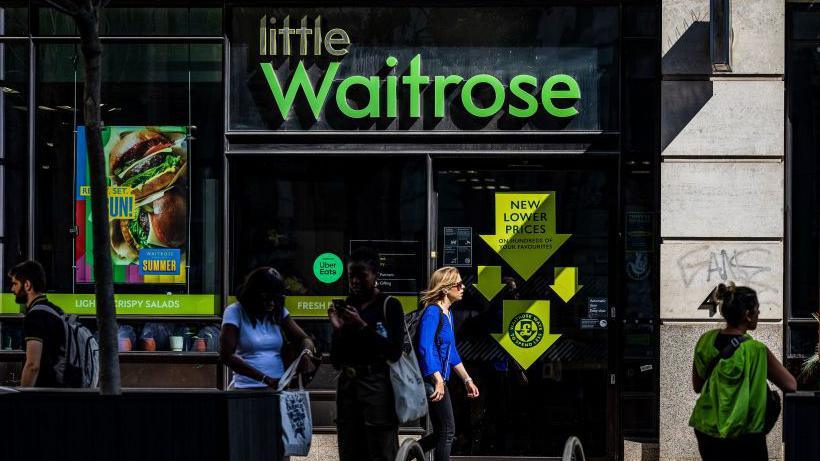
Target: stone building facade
(722, 190)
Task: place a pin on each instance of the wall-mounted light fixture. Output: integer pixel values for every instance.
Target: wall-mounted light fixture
(720, 35)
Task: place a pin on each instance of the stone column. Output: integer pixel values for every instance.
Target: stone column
(722, 190)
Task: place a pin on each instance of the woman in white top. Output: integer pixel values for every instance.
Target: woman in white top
(252, 332)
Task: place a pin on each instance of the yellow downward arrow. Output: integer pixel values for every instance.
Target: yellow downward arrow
(525, 230)
(526, 330)
(566, 282)
(489, 281)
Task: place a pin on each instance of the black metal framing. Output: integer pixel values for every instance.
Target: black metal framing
(444, 144)
(788, 319)
(33, 42)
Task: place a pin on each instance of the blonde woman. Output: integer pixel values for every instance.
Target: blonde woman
(438, 355)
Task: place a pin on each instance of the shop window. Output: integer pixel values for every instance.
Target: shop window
(167, 91)
(640, 145)
(803, 67)
(14, 195)
(166, 88)
(139, 22)
(805, 25)
(529, 405)
(14, 166)
(641, 20)
(14, 19)
(288, 211)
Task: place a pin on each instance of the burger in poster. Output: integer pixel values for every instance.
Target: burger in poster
(159, 224)
(148, 161)
(153, 164)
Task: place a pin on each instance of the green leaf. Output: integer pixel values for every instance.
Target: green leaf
(138, 233)
(170, 163)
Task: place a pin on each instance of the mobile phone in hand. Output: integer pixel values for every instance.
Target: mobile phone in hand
(339, 305)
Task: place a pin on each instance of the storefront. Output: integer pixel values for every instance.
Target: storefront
(517, 143)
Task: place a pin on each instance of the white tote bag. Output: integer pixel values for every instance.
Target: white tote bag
(408, 384)
(294, 409)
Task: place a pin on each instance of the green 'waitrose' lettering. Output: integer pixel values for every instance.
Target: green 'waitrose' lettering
(522, 104)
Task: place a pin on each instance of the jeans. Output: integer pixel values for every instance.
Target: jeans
(748, 447)
(444, 428)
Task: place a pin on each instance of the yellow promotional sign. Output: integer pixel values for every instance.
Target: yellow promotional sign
(566, 282)
(121, 202)
(317, 306)
(489, 281)
(526, 237)
(526, 332)
(525, 232)
(127, 304)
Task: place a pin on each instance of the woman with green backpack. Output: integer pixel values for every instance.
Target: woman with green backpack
(736, 408)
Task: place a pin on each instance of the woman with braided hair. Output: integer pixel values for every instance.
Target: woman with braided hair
(730, 373)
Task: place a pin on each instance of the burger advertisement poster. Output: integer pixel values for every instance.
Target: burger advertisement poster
(147, 175)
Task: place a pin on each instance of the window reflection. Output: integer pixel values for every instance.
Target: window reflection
(804, 91)
(144, 84)
(530, 412)
(286, 211)
(14, 19)
(139, 21)
(14, 113)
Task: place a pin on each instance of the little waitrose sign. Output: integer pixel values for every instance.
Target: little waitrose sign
(401, 88)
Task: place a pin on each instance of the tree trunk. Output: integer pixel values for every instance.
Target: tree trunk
(88, 25)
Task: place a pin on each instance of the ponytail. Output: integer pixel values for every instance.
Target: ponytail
(734, 302)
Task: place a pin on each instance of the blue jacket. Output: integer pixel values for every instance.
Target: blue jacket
(437, 352)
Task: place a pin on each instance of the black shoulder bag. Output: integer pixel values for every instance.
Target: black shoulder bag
(773, 406)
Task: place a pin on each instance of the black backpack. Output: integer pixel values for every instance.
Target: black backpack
(412, 320)
(79, 362)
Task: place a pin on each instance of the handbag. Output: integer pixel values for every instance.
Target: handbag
(773, 405)
(408, 385)
(294, 411)
(773, 408)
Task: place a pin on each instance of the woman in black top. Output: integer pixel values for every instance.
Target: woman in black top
(364, 339)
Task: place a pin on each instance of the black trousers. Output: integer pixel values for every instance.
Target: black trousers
(444, 428)
(366, 418)
(749, 447)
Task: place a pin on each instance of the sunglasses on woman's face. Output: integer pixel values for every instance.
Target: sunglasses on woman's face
(459, 285)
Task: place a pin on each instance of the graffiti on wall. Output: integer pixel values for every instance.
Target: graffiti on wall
(709, 265)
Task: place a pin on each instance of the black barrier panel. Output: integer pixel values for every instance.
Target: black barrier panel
(421, 69)
(801, 417)
(161, 425)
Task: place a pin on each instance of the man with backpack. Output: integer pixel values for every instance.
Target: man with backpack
(51, 359)
(43, 332)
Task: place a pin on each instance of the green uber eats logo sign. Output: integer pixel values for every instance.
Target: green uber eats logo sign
(276, 41)
(328, 268)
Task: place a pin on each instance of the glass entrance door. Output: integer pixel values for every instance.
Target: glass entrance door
(535, 243)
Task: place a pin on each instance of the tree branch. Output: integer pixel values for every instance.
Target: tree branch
(86, 16)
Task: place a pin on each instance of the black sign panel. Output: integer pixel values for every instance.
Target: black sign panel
(423, 69)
